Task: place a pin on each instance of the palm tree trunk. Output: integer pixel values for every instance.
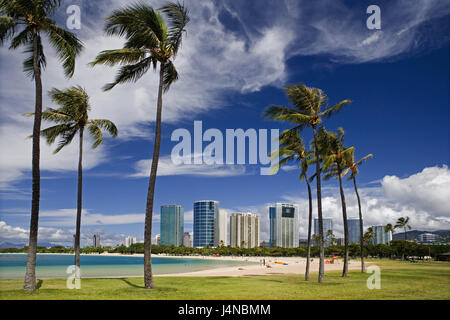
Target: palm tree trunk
(319, 209)
(148, 276)
(79, 206)
(30, 275)
(308, 250)
(361, 227)
(344, 217)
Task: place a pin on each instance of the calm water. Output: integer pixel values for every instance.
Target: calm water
(12, 266)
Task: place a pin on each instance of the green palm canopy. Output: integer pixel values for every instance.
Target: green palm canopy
(25, 20)
(149, 40)
(72, 117)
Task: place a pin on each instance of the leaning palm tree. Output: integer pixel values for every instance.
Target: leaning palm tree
(72, 118)
(32, 19)
(307, 112)
(334, 154)
(292, 148)
(352, 167)
(149, 41)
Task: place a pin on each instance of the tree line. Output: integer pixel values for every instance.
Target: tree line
(395, 250)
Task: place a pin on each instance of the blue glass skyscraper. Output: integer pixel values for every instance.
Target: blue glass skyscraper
(205, 213)
(172, 225)
(353, 230)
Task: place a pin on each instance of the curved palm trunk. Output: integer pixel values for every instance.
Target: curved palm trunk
(30, 274)
(319, 209)
(148, 276)
(79, 206)
(361, 228)
(344, 217)
(308, 250)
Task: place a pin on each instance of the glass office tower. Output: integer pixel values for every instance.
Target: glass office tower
(381, 236)
(353, 230)
(172, 225)
(284, 225)
(205, 213)
(327, 225)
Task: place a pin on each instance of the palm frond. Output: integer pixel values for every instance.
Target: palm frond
(170, 75)
(334, 109)
(107, 125)
(50, 134)
(119, 56)
(178, 17)
(67, 46)
(130, 73)
(28, 64)
(97, 134)
(25, 37)
(66, 139)
(139, 23)
(7, 28)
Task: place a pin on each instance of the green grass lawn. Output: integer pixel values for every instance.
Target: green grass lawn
(399, 280)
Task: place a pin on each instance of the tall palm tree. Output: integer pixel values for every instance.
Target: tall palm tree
(72, 118)
(149, 41)
(32, 19)
(352, 166)
(334, 154)
(403, 223)
(292, 148)
(308, 104)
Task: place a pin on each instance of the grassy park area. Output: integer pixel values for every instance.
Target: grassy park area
(399, 280)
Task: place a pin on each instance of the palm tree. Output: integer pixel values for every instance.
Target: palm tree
(307, 112)
(388, 228)
(33, 19)
(353, 167)
(72, 118)
(368, 236)
(403, 223)
(149, 41)
(334, 153)
(330, 235)
(292, 148)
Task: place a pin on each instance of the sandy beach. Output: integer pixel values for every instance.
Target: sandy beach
(261, 265)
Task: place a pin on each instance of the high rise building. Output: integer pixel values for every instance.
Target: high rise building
(353, 230)
(205, 214)
(172, 225)
(220, 229)
(96, 241)
(284, 225)
(244, 230)
(187, 240)
(381, 236)
(129, 241)
(327, 225)
(156, 240)
(429, 238)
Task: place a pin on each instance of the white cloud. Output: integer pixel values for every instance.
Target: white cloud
(428, 190)
(167, 168)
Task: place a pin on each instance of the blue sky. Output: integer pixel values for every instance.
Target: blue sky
(233, 64)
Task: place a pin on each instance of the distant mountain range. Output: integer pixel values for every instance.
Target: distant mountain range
(414, 235)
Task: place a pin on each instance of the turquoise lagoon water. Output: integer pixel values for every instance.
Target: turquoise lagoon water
(12, 266)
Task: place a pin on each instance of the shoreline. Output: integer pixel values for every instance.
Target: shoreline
(251, 266)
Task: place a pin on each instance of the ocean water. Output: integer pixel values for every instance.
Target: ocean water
(12, 266)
